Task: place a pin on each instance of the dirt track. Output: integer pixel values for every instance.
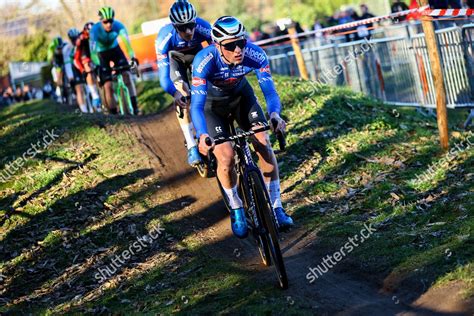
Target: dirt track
(334, 293)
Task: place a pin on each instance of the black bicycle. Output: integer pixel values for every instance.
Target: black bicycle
(259, 211)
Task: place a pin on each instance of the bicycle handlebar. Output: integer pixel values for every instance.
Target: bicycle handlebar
(280, 135)
(122, 68)
(132, 68)
(236, 137)
(179, 109)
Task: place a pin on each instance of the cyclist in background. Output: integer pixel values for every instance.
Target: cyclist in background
(55, 57)
(176, 46)
(105, 49)
(72, 73)
(83, 62)
(220, 90)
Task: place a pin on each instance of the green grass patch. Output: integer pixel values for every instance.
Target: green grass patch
(151, 98)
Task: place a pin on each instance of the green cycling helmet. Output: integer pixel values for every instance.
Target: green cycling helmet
(106, 13)
(58, 41)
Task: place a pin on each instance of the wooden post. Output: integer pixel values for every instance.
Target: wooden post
(440, 91)
(298, 53)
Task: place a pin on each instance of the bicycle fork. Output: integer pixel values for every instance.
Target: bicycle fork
(121, 86)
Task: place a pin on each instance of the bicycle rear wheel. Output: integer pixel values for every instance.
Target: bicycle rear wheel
(265, 212)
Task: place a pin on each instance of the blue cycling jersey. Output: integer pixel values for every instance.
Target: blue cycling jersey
(209, 70)
(168, 40)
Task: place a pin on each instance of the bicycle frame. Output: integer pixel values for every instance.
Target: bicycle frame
(241, 147)
(259, 212)
(121, 86)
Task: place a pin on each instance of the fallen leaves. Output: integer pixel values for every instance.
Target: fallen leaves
(384, 161)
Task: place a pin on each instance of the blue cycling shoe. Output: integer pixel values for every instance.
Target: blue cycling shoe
(193, 156)
(284, 220)
(239, 222)
(97, 105)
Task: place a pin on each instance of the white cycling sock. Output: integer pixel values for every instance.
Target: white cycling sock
(188, 134)
(93, 91)
(233, 198)
(83, 108)
(273, 188)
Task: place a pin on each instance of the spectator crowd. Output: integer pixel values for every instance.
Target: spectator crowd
(349, 14)
(9, 96)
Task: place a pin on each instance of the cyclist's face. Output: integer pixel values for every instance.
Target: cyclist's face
(107, 24)
(186, 31)
(233, 50)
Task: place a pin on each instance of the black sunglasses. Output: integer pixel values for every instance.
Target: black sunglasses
(232, 45)
(109, 21)
(184, 27)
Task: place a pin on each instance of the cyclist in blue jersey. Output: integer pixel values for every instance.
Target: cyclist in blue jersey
(105, 49)
(219, 90)
(176, 46)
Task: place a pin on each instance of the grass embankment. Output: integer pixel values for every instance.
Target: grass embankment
(151, 98)
(84, 200)
(71, 210)
(353, 161)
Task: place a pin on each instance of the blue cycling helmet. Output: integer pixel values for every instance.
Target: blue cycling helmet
(182, 12)
(227, 27)
(73, 34)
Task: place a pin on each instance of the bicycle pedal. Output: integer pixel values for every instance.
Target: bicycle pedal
(284, 229)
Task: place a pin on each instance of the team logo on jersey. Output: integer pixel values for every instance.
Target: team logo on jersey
(199, 82)
(203, 30)
(254, 114)
(226, 82)
(255, 55)
(203, 63)
(161, 57)
(265, 69)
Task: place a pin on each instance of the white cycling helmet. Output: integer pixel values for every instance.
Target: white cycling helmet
(182, 12)
(227, 27)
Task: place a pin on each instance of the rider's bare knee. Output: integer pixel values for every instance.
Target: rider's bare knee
(262, 145)
(225, 158)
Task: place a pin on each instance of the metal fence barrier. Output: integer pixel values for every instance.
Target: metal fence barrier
(394, 69)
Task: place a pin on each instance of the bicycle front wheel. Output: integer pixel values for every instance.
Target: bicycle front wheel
(265, 211)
